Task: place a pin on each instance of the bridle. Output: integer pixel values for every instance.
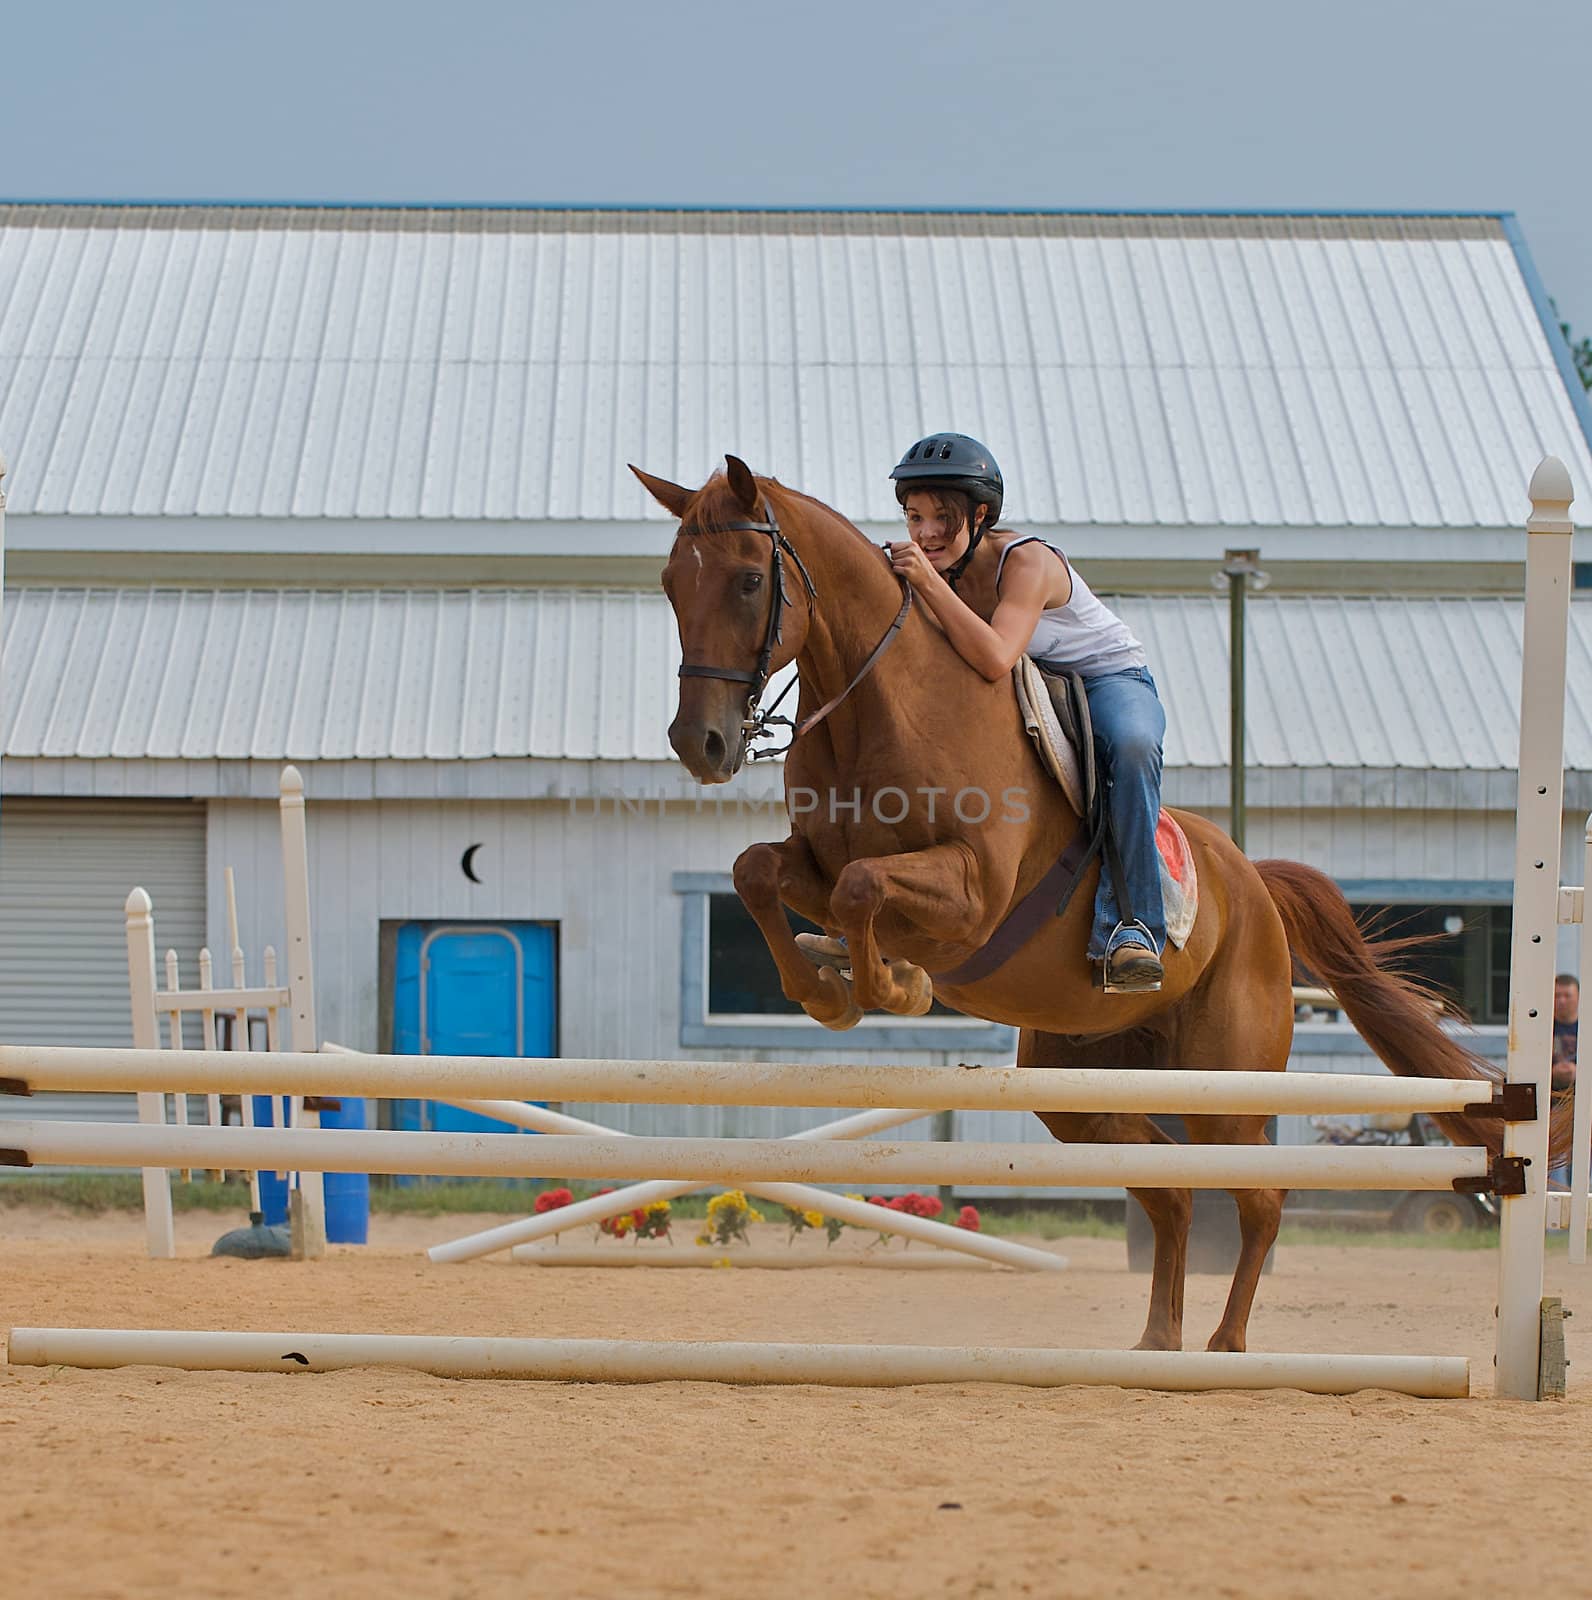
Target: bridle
(757, 723)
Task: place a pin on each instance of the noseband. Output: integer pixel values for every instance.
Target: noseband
(757, 723)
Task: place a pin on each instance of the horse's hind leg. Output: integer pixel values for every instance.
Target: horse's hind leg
(1169, 1211)
(1259, 1216)
(1241, 1018)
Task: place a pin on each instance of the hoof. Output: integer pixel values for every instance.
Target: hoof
(1158, 1343)
(837, 1009)
(916, 987)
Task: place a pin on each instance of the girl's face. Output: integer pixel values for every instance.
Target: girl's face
(932, 532)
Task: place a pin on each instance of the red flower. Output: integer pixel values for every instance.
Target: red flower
(552, 1200)
(967, 1218)
(877, 1200)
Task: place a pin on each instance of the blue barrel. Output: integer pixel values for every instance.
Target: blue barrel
(347, 1193)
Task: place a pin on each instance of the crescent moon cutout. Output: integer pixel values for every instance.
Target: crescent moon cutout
(467, 863)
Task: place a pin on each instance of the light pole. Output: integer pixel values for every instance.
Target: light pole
(1240, 573)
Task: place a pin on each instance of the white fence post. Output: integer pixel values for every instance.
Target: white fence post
(1539, 828)
(158, 1226)
(310, 1234)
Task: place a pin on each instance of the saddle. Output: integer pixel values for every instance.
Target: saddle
(1055, 711)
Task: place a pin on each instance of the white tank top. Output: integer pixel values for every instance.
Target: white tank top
(1082, 636)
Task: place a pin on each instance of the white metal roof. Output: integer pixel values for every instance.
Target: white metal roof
(1135, 370)
(580, 675)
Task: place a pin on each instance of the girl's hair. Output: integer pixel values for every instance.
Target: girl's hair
(955, 505)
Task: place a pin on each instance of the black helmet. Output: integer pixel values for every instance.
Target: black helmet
(953, 461)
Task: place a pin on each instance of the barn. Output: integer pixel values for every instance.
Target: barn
(347, 487)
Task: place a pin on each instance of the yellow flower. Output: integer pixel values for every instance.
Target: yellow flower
(813, 1219)
(658, 1208)
(858, 1197)
(704, 1238)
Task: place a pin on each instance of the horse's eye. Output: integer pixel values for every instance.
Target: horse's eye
(751, 582)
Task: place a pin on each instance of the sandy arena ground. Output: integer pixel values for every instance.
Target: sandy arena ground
(371, 1483)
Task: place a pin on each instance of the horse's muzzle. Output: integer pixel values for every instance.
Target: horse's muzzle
(706, 753)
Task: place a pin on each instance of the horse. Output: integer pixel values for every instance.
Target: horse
(967, 844)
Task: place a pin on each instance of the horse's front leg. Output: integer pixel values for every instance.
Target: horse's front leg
(768, 877)
(936, 890)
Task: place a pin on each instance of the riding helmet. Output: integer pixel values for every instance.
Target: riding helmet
(952, 461)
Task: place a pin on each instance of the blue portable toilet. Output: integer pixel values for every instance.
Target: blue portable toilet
(347, 1193)
(472, 989)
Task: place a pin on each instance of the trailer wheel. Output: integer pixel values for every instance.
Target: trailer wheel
(1435, 1213)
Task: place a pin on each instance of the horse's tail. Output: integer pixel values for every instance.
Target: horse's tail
(1395, 1013)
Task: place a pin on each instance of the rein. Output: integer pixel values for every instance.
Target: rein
(757, 723)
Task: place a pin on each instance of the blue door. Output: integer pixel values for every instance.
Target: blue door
(471, 989)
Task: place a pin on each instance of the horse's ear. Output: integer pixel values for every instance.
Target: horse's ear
(743, 485)
(671, 496)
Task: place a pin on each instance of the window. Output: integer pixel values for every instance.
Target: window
(1468, 956)
(730, 992)
(742, 977)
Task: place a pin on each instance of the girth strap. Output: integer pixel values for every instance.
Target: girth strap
(1048, 898)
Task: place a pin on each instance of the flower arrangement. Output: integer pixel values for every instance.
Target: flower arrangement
(799, 1221)
(552, 1200)
(967, 1218)
(621, 1225)
(652, 1221)
(912, 1205)
(729, 1216)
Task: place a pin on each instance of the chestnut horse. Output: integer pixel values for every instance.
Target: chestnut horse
(900, 741)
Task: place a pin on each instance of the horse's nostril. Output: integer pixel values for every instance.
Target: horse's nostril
(713, 749)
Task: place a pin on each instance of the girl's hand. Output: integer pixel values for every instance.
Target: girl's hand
(911, 563)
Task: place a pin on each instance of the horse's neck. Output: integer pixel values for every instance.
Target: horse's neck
(858, 597)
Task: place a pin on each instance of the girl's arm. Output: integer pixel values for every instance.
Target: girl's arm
(992, 647)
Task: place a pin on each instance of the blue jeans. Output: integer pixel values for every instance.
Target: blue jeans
(1129, 724)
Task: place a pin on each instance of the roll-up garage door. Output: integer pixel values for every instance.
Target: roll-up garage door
(66, 867)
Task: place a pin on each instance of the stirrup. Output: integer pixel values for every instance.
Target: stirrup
(1144, 974)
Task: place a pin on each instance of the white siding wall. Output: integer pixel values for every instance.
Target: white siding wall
(602, 876)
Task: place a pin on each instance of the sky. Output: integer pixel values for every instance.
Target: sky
(1395, 104)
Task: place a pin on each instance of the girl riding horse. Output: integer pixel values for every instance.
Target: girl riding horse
(997, 595)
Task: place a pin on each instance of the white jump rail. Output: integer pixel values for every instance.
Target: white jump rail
(706, 1161)
(637, 1361)
(37, 1068)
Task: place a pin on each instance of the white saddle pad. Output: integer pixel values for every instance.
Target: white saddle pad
(1039, 717)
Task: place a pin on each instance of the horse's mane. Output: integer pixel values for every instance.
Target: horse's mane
(716, 506)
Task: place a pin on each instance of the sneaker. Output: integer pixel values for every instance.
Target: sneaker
(823, 951)
(1133, 969)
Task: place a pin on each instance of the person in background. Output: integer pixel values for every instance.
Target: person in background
(1566, 1022)
(1566, 1015)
